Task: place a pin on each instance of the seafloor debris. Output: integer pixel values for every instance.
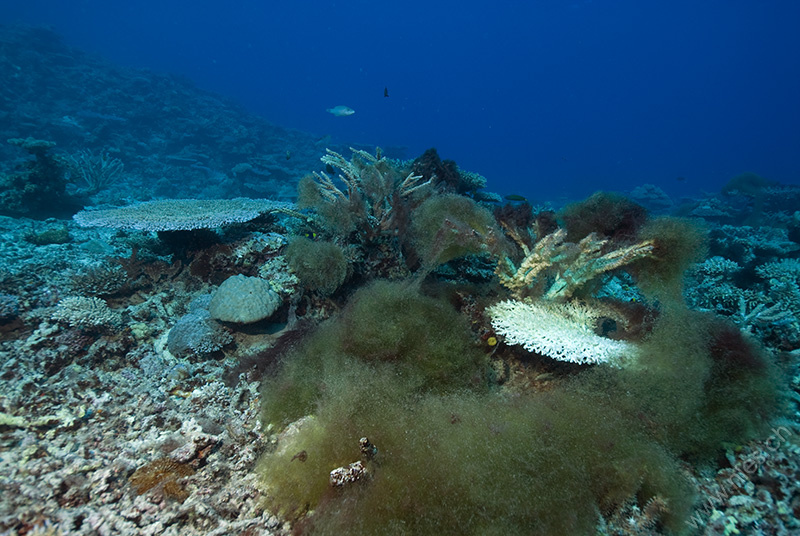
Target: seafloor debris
(356, 471)
(342, 476)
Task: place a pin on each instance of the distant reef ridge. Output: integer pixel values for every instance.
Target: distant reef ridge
(168, 137)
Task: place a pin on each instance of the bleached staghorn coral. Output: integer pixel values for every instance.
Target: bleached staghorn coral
(571, 265)
(562, 331)
(550, 324)
(536, 261)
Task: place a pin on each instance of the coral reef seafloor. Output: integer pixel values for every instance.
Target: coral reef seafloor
(320, 342)
(592, 370)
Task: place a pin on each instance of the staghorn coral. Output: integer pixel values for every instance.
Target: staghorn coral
(783, 270)
(760, 314)
(91, 313)
(570, 265)
(392, 219)
(553, 270)
(561, 331)
(716, 268)
(181, 214)
(767, 304)
(711, 286)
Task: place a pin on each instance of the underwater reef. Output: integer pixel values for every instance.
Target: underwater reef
(343, 342)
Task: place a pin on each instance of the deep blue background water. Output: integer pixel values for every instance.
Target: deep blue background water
(543, 97)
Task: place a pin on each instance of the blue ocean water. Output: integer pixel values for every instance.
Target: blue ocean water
(544, 98)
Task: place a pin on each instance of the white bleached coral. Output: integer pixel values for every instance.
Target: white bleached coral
(562, 331)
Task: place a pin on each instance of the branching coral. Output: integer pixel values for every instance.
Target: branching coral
(543, 315)
(586, 261)
(97, 171)
(570, 265)
(88, 313)
(373, 190)
(393, 220)
(760, 314)
(562, 331)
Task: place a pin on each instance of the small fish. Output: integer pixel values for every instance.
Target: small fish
(341, 111)
(386, 92)
(515, 198)
(288, 154)
(680, 179)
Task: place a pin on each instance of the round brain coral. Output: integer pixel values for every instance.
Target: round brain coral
(243, 300)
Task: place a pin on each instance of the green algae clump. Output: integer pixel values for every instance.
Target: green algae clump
(448, 226)
(319, 265)
(468, 463)
(458, 455)
(679, 243)
(422, 342)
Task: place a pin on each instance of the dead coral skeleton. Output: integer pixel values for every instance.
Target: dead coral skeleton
(348, 474)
